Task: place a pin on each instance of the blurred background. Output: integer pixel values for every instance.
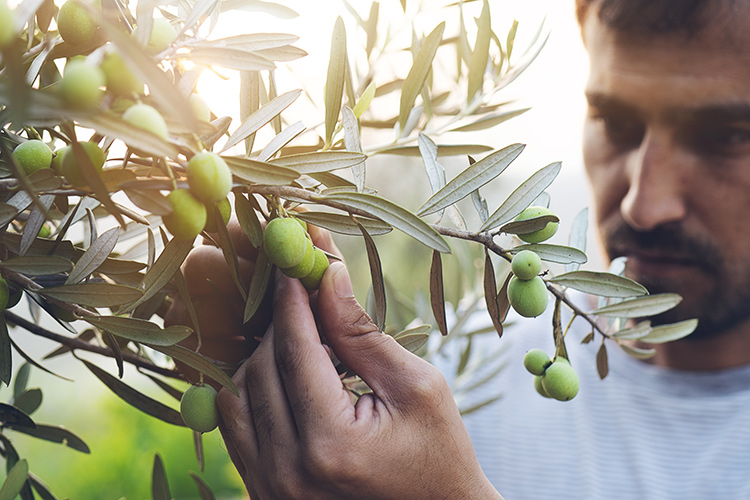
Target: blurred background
(122, 440)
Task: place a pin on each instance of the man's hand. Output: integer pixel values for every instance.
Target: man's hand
(295, 432)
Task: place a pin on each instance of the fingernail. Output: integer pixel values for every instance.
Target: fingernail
(341, 281)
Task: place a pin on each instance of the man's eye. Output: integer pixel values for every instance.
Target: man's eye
(622, 132)
(726, 140)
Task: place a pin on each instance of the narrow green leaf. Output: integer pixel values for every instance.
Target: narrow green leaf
(230, 254)
(602, 362)
(248, 220)
(15, 480)
(159, 483)
(490, 294)
(135, 137)
(136, 399)
(198, 362)
(228, 57)
(641, 306)
(600, 283)
(203, 489)
(11, 416)
(280, 140)
(668, 333)
(528, 225)
(94, 256)
(261, 117)
(6, 354)
(364, 100)
(638, 331)
(353, 142)
(343, 224)
(28, 401)
(56, 434)
(412, 342)
(259, 282)
(140, 330)
(637, 352)
(480, 54)
(480, 405)
(435, 171)
(7, 213)
(254, 42)
(554, 253)
(261, 172)
(320, 161)
(417, 75)
(169, 261)
(38, 265)
(94, 294)
(489, 121)
(21, 380)
(42, 489)
(523, 196)
(95, 182)
(335, 78)
(376, 273)
(392, 214)
(445, 150)
(471, 179)
(577, 236)
(112, 266)
(35, 222)
(437, 294)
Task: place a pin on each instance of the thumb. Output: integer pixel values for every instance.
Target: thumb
(375, 356)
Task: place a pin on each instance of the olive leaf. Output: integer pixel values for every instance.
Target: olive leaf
(445, 150)
(668, 333)
(140, 330)
(135, 137)
(134, 398)
(6, 353)
(159, 483)
(335, 78)
(637, 352)
(471, 179)
(228, 57)
(523, 196)
(280, 140)
(248, 220)
(94, 294)
(392, 214)
(11, 416)
(56, 434)
(96, 254)
(38, 265)
(260, 172)
(553, 253)
(261, 117)
(602, 363)
(28, 401)
(15, 480)
(437, 294)
(636, 332)
(641, 306)
(489, 121)
(577, 236)
(376, 273)
(343, 224)
(322, 161)
(600, 283)
(480, 54)
(417, 75)
(259, 282)
(198, 362)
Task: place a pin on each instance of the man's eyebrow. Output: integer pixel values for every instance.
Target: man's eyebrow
(722, 112)
(604, 101)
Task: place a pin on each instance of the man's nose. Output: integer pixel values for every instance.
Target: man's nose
(658, 173)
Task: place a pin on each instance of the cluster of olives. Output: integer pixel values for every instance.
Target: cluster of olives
(198, 408)
(289, 247)
(209, 180)
(34, 155)
(554, 379)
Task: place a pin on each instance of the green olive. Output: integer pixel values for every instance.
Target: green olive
(32, 155)
(536, 361)
(75, 24)
(80, 84)
(200, 109)
(198, 408)
(285, 242)
(119, 79)
(542, 234)
(7, 24)
(72, 170)
(209, 177)
(148, 118)
(528, 297)
(526, 265)
(161, 37)
(188, 217)
(225, 209)
(305, 266)
(320, 264)
(560, 380)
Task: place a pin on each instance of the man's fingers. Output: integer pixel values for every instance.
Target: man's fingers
(389, 369)
(236, 422)
(312, 386)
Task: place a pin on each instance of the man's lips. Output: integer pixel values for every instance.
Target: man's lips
(657, 263)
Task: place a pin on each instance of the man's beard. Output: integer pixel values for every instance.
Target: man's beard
(720, 303)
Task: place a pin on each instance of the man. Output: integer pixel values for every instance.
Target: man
(667, 151)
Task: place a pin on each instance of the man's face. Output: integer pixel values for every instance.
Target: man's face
(667, 151)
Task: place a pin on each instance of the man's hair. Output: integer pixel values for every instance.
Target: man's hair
(644, 16)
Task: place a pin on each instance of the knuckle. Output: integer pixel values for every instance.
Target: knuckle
(427, 385)
(290, 355)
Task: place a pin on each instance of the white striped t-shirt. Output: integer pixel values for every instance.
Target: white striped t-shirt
(642, 433)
